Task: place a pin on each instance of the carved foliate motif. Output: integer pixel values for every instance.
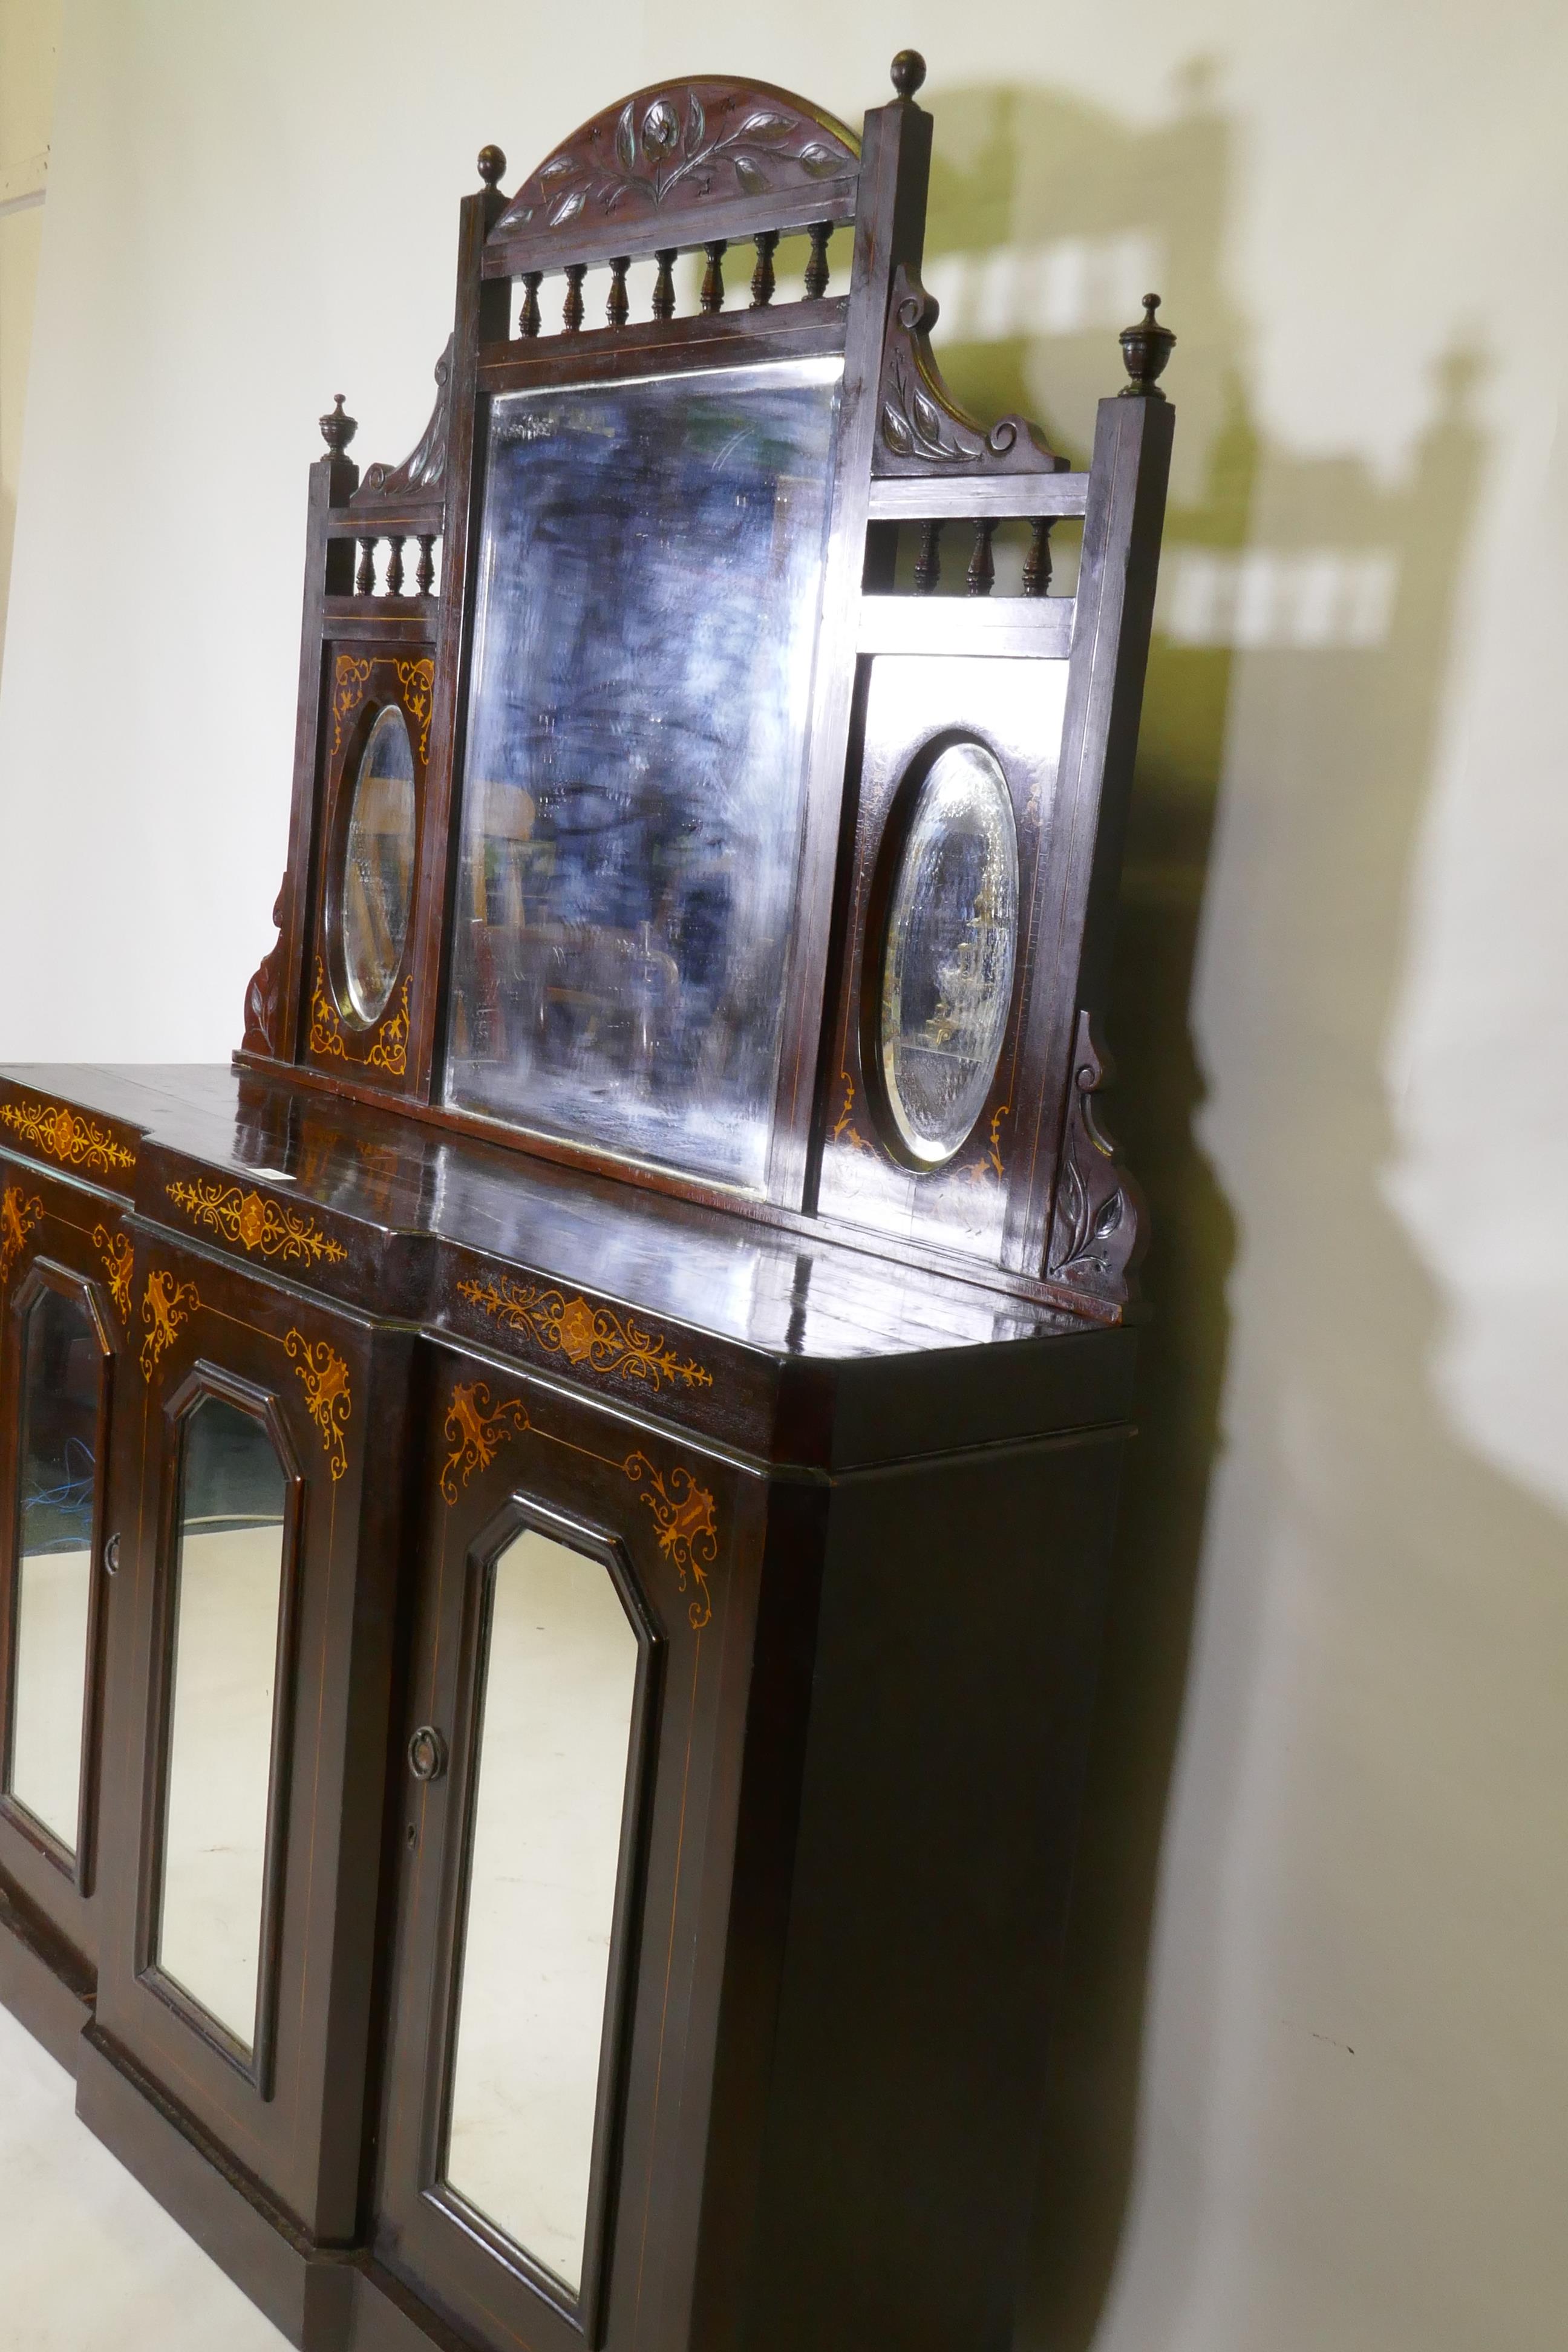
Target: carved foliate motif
(673, 149)
(263, 996)
(687, 1526)
(475, 1429)
(1097, 1233)
(920, 425)
(584, 1335)
(424, 470)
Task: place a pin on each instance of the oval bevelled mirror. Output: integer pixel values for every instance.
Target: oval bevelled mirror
(378, 868)
(949, 952)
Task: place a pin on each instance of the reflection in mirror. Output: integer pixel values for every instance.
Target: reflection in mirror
(651, 574)
(947, 968)
(557, 1681)
(378, 866)
(228, 1596)
(62, 1366)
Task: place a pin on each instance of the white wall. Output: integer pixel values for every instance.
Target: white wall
(1314, 2091)
(28, 32)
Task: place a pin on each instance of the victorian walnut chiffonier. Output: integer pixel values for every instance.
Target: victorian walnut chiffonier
(556, 1513)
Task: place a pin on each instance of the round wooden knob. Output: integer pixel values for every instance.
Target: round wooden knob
(492, 163)
(908, 70)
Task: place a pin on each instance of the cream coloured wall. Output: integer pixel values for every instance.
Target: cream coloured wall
(1315, 2086)
(29, 37)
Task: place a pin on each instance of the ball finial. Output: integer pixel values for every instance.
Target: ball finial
(1145, 348)
(492, 163)
(337, 428)
(907, 70)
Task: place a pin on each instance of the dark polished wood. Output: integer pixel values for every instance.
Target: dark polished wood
(848, 1446)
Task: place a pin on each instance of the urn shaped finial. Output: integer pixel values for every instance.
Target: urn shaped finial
(1145, 348)
(338, 429)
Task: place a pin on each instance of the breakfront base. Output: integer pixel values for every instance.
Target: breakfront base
(42, 1983)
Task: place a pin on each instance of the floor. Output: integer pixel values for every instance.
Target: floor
(88, 2262)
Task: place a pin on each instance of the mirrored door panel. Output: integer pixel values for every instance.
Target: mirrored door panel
(554, 1709)
(59, 1412)
(227, 1613)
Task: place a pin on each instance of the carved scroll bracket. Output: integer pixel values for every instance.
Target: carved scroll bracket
(264, 996)
(1096, 1228)
(920, 427)
(423, 473)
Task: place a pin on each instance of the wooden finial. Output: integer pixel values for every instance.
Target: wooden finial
(1145, 348)
(337, 428)
(907, 70)
(492, 163)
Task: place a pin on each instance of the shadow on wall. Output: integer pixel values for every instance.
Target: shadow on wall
(1302, 635)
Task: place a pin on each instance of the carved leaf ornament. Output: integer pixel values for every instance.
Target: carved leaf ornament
(670, 147)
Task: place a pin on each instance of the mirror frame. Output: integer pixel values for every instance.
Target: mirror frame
(521, 1514)
(206, 1379)
(335, 867)
(44, 1275)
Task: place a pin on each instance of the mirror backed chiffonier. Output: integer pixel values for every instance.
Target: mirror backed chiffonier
(555, 1515)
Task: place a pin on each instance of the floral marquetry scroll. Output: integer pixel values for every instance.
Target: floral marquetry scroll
(118, 1256)
(687, 1526)
(65, 1136)
(255, 1223)
(166, 1304)
(585, 1335)
(388, 1048)
(328, 1399)
(18, 1215)
(476, 1430)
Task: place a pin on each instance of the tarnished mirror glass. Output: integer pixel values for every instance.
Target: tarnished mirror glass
(228, 1598)
(557, 1678)
(378, 866)
(649, 583)
(947, 968)
(62, 1366)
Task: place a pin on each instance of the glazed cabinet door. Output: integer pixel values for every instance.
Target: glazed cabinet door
(568, 1789)
(246, 1739)
(64, 1272)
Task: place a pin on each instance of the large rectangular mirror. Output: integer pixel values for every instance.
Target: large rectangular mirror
(649, 585)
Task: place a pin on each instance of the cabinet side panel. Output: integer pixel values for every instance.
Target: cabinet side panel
(960, 1634)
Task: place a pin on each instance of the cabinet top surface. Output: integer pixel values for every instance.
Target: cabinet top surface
(387, 1185)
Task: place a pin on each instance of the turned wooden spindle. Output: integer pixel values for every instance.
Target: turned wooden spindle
(928, 563)
(817, 266)
(619, 309)
(766, 242)
(394, 564)
(425, 571)
(528, 318)
(714, 277)
(664, 284)
(982, 574)
(364, 578)
(1037, 563)
(572, 309)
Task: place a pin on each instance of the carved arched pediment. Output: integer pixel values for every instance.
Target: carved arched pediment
(654, 165)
